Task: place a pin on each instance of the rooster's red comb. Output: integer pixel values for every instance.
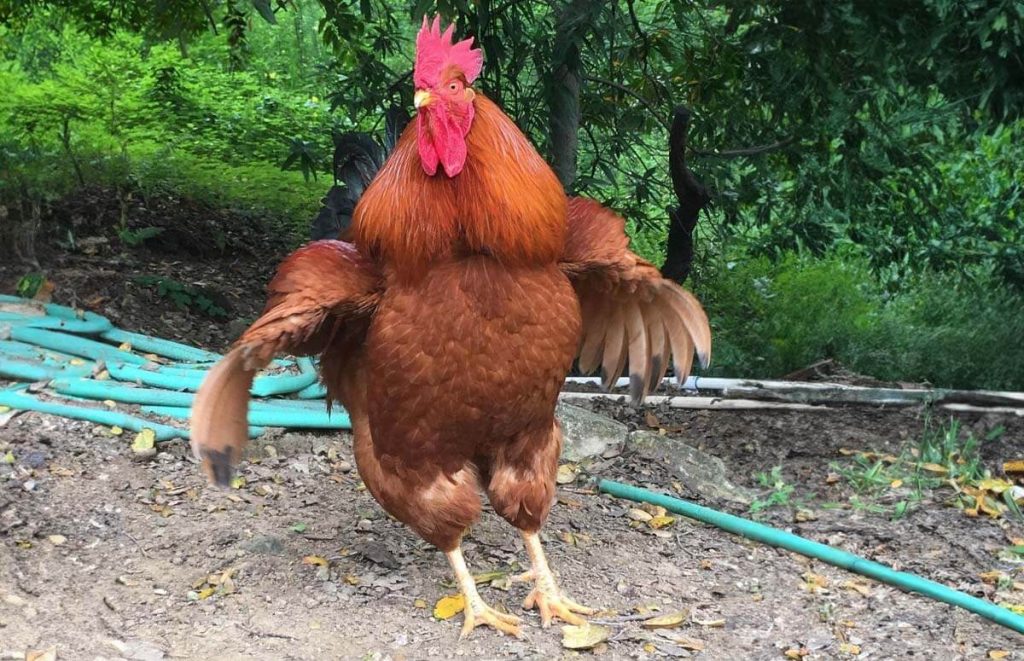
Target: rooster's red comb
(435, 53)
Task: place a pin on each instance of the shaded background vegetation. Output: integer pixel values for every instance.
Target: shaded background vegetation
(862, 158)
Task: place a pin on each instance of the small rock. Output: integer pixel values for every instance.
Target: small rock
(32, 459)
(160, 591)
(586, 435)
(698, 471)
(264, 544)
(57, 540)
(28, 485)
(344, 467)
(364, 525)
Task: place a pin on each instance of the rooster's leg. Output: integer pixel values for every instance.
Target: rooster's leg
(477, 612)
(545, 594)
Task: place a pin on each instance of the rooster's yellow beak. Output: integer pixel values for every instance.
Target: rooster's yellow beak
(421, 99)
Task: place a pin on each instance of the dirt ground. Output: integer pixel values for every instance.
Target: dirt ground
(104, 556)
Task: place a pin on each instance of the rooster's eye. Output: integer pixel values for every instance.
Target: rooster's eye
(453, 86)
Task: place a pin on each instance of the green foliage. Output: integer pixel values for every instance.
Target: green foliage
(185, 297)
(944, 455)
(773, 317)
(779, 494)
(30, 284)
(136, 237)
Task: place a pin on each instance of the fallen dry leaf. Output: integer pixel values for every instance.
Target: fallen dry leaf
(858, 585)
(814, 582)
(709, 623)
(315, 560)
(49, 654)
(449, 606)
(661, 521)
(583, 637)
(998, 654)
(566, 474)
(796, 652)
(1014, 466)
(145, 443)
(670, 621)
(420, 603)
(639, 515)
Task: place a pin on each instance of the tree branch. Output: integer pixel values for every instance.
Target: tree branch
(745, 151)
(636, 95)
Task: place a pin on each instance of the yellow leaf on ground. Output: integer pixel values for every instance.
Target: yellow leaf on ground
(206, 593)
(796, 652)
(858, 585)
(420, 603)
(896, 484)
(8, 458)
(145, 442)
(566, 474)
(814, 582)
(998, 654)
(849, 648)
(661, 521)
(314, 560)
(1016, 608)
(710, 623)
(237, 482)
(41, 655)
(584, 637)
(116, 431)
(450, 606)
(1015, 466)
(991, 577)
(994, 485)
(934, 468)
(488, 576)
(669, 621)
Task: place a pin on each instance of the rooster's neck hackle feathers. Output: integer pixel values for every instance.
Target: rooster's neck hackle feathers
(507, 203)
(436, 54)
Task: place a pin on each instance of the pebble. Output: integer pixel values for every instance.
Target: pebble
(344, 467)
(28, 485)
(364, 525)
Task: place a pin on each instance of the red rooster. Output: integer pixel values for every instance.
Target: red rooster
(447, 327)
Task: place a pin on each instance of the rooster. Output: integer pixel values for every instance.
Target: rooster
(447, 327)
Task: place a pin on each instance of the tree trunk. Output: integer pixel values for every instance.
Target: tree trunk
(691, 195)
(574, 22)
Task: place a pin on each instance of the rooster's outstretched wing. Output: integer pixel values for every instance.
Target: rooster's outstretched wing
(322, 290)
(629, 310)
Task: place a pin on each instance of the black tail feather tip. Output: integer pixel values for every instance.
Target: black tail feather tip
(218, 466)
(636, 388)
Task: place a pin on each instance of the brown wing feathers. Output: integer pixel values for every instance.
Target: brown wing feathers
(317, 289)
(629, 310)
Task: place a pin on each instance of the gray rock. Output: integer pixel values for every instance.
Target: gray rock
(264, 544)
(698, 471)
(587, 435)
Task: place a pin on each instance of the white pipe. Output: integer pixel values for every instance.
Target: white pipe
(882, 395)
(697, 402)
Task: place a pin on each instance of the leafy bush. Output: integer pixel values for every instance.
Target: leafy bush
(771, 318)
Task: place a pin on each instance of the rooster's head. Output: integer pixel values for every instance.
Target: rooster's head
(444, 99)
